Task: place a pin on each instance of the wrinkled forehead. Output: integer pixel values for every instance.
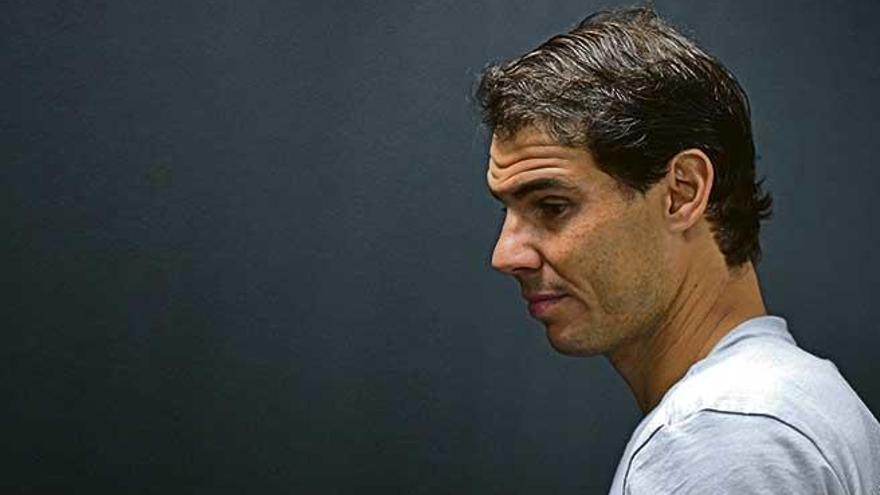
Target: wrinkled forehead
(527, 152)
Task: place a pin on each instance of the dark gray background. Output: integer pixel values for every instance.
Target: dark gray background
(246, 243)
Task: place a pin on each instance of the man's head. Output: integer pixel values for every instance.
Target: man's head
(623, 153)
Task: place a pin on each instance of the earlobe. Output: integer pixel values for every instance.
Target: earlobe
(689, 179)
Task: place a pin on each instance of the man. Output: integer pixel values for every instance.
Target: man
(624, 157)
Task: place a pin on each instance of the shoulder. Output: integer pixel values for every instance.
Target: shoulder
(775, 378)
(763, 407)
(723, 452)
(758, 375)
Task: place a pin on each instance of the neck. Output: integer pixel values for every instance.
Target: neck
(710, 302)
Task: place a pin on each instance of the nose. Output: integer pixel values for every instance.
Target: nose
(514, 251)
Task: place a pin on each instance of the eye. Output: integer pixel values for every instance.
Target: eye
(553, 208)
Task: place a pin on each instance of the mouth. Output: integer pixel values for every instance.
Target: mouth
(541, 304)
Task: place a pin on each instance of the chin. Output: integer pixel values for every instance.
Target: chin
(572, 342)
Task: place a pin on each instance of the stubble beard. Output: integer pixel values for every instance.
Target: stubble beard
(634, 316)
(587, 339)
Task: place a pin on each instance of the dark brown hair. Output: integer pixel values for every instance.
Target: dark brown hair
(635, 92)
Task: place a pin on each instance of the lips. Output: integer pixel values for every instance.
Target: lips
(540, 304)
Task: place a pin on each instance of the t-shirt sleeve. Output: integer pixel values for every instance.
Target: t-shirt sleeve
(730, 453)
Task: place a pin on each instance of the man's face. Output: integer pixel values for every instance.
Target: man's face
(590, 258)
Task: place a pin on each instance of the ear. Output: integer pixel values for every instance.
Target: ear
(689, 180)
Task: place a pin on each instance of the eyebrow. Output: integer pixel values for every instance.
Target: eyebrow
(531, 186)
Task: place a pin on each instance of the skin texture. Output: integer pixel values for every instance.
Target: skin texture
(638, 278)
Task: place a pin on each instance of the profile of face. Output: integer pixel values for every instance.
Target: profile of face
(591, 258)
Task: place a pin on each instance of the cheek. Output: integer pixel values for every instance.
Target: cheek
(585, 258)
(636, 272)
(609, 271)
(616, 265)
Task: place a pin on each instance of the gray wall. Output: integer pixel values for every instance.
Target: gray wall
(247, 243)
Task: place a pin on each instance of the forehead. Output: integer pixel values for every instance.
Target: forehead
(531, 153)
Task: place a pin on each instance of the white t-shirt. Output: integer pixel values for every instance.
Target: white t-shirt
(757, 415)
